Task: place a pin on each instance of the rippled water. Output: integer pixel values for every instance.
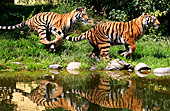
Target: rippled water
(91, 91)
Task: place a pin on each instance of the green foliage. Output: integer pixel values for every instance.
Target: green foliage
(64, 6)
(154, 51)
(125, 10)
(118, 15)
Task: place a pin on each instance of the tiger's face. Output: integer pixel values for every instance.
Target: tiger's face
(81, 15)
(150, 20)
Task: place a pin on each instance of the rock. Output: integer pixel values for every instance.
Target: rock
(55, 66)
(119, 75)
(73, 65)
(142, 67)
(118, 64)
(93, 68)
(161, 70)
(19, 63)
(73, 71)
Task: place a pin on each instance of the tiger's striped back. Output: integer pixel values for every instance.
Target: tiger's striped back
(104, 35)
(47, 23)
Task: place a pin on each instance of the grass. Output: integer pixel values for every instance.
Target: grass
(31, 53)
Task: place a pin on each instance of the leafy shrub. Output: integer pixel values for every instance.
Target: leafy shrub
(118, 15)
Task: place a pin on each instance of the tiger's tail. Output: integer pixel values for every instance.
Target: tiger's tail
(14, 26)
(76, 39)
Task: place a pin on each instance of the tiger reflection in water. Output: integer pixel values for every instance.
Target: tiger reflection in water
(51, 95)
(103, 93)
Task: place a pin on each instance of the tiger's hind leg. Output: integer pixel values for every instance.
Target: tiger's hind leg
(57, 40)
(48, 36)
(44, 35)
(94, 54)
(104, 51)
(130, 48)
(56, 43)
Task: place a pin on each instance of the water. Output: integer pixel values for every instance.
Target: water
(91, 91)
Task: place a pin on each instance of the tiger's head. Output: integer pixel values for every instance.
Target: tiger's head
(150, 20)
(80, 14)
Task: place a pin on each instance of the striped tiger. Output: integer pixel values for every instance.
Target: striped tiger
(48, 23)
(104, 35)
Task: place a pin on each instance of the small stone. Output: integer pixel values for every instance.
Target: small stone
(142, 67)
(55, 66)
(93, 68)
(73, 65)
(19, 63)
(118, 64)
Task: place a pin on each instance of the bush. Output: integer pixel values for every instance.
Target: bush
(125, 10)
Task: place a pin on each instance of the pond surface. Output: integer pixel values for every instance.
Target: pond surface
(87, 91)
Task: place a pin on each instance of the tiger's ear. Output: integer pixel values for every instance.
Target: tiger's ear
(144, 13)
(79, 8)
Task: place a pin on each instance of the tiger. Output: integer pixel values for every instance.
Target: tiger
(102, 36)
(51, 23)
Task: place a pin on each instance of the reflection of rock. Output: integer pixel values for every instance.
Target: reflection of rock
(162, 71)
(73, 71)
(55, 66)
(118, 75)
(142, 74)
(54, 71)
(118, 64)
(73, 65)
(142, 67)
(161, 74)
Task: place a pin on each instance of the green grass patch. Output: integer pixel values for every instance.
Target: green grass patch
(31, 53)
